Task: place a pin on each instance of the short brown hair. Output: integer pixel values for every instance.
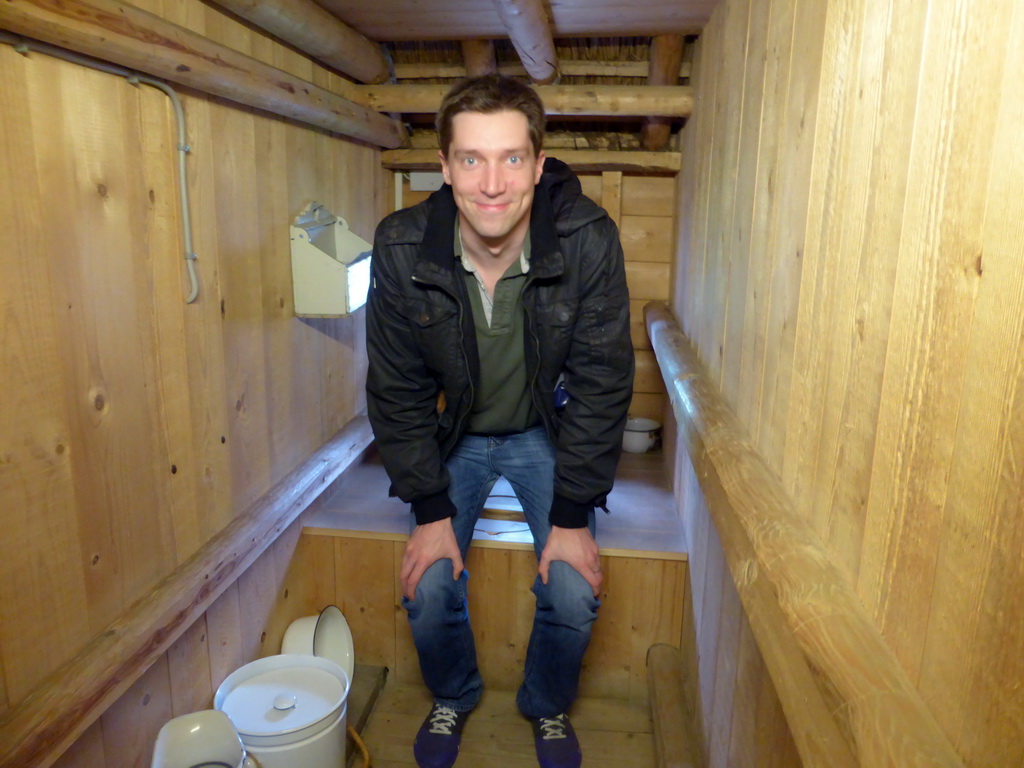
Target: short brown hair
(489, 94)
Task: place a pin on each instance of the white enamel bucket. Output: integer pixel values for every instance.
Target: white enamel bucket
(290, 710)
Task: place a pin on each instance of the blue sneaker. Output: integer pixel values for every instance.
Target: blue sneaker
(437, 741)
(556, 742)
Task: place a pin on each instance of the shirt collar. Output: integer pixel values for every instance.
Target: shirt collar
(524, 257)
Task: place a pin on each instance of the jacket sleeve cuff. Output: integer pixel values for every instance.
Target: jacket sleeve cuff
(433, 508)
(566, 513)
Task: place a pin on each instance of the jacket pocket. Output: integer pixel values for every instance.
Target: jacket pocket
(435, 327)
(426, 314)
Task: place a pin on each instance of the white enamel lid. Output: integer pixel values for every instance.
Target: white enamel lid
(283, 694)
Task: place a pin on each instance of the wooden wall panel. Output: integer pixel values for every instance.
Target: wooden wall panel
(642, 603)
(643, 208)
(224, 636)
(130, 726)
(647, 238)
(134, 426)
(738, 714)
(649, 196)
(366, 591)
(728, 61)
(857, 285)
(87, 751)
(188, 668)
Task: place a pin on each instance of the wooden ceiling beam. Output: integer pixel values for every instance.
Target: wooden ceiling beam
(553, 140)
(317, 33)
(578, 159)
(590, 100)
(421, 70)
(479, 58)
(527, 26)
(114, 31)
(666, 55)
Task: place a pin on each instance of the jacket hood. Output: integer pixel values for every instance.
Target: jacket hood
(567, 207)
(571, 209)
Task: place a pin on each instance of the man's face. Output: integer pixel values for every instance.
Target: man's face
(492, 170)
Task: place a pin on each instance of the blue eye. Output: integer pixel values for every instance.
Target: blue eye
(470, 161)
(515, 160)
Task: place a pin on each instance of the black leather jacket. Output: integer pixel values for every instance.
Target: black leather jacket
(421, 342)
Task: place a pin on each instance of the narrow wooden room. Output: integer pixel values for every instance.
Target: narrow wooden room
(511, 383)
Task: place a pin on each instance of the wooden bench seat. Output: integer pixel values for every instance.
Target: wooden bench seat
(643, 521)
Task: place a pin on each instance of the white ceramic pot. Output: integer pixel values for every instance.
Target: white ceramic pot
(289, 710)
(205, 738)
(326, 634)
(640, 435)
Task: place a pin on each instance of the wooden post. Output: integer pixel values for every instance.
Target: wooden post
(123, 34)
(479, 58)
(598, 100)
(527, 26)
(666, 55)
(846, 697)
(38, 730)
(318, 33)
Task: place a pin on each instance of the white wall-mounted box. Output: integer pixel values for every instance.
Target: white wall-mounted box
(330, 264)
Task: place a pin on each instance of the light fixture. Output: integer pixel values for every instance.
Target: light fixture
(330, 264)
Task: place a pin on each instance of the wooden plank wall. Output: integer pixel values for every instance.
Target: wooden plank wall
(851, 268)
(135, 426)
(644, 209)
(642, 603)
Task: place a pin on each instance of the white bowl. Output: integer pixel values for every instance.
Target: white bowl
(326, 634)
(199, 738)
(640, 435)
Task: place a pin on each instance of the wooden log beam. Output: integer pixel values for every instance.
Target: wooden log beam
(36, 731)
(666, 56)
(579, 160)
(479, 57)
(317, 33)
(419, 70)
(595, 100)
(427, 139)
(122, 34)
(669, 713)
(846, 697)
(527, 26)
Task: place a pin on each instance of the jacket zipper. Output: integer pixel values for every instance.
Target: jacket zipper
(536, 351)
(462, 348)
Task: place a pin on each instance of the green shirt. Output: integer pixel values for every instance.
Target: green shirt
(502, 402)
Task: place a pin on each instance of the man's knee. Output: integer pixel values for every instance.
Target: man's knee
(567, 594)
(437, 591)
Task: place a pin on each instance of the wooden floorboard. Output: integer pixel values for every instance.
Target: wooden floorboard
(612, 733)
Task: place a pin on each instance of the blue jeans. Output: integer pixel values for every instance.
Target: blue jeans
(565, 606)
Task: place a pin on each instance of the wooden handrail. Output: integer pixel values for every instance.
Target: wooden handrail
(847, 700)
(38, 730)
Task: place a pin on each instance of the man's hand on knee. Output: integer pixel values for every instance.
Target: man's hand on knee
(428, 544)
(575, 546)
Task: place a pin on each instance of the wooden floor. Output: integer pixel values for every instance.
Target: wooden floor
(613, 733)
